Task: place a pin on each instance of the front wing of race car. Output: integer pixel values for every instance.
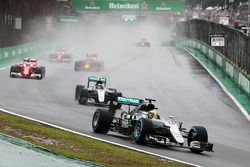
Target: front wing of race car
(20, 75)
(194, 145)
(60, 59)
(143, 44)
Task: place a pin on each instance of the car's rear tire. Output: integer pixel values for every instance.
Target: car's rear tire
(197, 133)
(118, 94)
(101, 121)
(13, 69)
(142, 127)
(76, 66)
(43, 71)
(40, 70)
(83, 99)
(78, 91)
(69, 57)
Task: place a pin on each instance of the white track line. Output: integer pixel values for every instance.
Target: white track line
(99, 139)
(242, 109)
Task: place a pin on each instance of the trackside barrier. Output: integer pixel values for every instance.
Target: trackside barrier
(18, 52)
(239, 76)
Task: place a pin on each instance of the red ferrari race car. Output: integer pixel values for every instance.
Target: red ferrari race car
(60, 56)
(28, 69)
(90, 63)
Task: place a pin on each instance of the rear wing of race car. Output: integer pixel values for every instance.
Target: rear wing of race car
(117, 101)
(96, 79)
(129, 101)
(91, 56)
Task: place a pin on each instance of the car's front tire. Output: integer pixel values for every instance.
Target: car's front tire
(197, 133)
(78, 91)
(83, 99)
(118, 94)
(142, 127)
(13, 69)
(101, 121)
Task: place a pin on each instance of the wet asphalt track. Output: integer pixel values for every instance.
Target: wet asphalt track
(182, 88)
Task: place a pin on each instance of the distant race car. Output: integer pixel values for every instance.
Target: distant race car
(143, 43)
(90, 63)
(28, 69)
(144, 128)
(60, 56)
(96, 92)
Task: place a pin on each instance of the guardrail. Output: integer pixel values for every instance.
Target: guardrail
(239, 76)
(237, 44)
(18, 52)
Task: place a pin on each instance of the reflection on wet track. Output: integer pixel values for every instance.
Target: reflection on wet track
(180, 85)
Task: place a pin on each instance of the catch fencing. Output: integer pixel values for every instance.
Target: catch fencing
(237, 44)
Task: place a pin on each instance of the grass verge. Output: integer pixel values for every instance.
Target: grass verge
(72, 145)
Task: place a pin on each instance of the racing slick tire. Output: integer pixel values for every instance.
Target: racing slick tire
(69, 57)
(197, 133)
(13, 69)
(83, 99)
(76, 67)
(101, 121)
(142, 127)
(41, 71)
(118, 94)
(78, 91)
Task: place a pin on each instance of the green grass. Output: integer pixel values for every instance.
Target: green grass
(72, 145)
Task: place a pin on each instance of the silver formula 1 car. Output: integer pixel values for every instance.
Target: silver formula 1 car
(139, 124)
(96, 92)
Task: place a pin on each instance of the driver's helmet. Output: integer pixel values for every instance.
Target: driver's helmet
(152, 111)
(150, 106)
(26, 60)
(98, 82)
(99, 85)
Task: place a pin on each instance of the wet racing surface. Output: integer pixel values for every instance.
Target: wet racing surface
(172, 77)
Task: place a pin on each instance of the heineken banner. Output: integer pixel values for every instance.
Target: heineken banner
(129, 5)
